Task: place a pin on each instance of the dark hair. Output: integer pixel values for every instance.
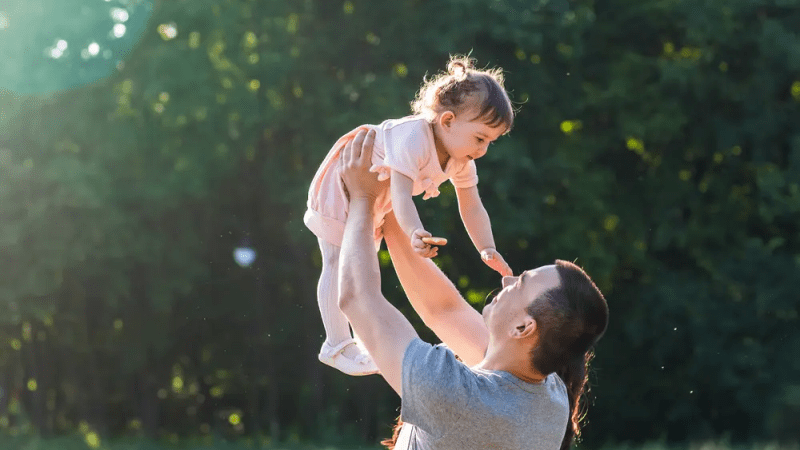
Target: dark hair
(571, 318)
(463, 88)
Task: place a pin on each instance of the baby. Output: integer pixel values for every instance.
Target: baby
(456, 116)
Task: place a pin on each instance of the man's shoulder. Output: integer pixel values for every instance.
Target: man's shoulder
(431, 367)
(418, 348)
(436, 388)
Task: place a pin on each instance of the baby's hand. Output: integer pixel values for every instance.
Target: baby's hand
(423, 248)
(496, 262)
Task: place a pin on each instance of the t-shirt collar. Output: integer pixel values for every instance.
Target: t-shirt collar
(508, 376)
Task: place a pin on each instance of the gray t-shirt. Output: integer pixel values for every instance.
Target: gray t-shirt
(447, 405)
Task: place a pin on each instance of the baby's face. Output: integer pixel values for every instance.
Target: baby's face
(465, 139)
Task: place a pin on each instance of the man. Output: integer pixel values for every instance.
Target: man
(524, 358)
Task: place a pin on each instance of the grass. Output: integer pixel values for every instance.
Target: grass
(209, 443)
(79, 443)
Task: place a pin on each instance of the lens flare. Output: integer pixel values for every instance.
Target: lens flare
(244, 256)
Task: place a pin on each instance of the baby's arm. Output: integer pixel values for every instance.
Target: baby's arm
(479, 228)
(407, 215)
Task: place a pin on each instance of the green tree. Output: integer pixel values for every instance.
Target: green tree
(655, 144)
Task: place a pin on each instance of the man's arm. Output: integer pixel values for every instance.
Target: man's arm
(436, 299)
(382, 328)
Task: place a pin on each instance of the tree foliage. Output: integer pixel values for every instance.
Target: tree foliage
(656, 144)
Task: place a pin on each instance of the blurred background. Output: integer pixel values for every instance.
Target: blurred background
(158, 286)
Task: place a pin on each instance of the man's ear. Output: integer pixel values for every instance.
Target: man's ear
(446, 119)
(525, 329)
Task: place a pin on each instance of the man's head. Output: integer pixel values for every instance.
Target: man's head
(547, 320)
(556, 311)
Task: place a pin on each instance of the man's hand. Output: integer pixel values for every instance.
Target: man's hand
(356, 159)
(495, 260)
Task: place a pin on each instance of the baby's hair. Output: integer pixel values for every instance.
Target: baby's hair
(464, 88)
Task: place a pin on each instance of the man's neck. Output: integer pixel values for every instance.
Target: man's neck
(519, 367)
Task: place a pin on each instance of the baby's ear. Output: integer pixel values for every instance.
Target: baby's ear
(446, 118)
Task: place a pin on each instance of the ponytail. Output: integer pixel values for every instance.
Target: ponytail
(572, 318)
(462, 88)
(575, 376)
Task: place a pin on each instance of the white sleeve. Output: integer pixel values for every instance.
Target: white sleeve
(466, 176)
(406, 149)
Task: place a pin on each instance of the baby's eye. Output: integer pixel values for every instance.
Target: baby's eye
(480, 140)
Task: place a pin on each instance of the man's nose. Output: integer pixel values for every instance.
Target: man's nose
(507, 281)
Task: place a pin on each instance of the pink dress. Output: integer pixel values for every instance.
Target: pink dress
(405, 145)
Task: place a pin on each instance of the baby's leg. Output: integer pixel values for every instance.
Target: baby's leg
(336, 326)
(339, 349)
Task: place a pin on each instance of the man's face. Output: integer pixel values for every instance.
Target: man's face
(507, 310)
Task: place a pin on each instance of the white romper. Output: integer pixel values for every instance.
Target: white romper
(405, 145)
